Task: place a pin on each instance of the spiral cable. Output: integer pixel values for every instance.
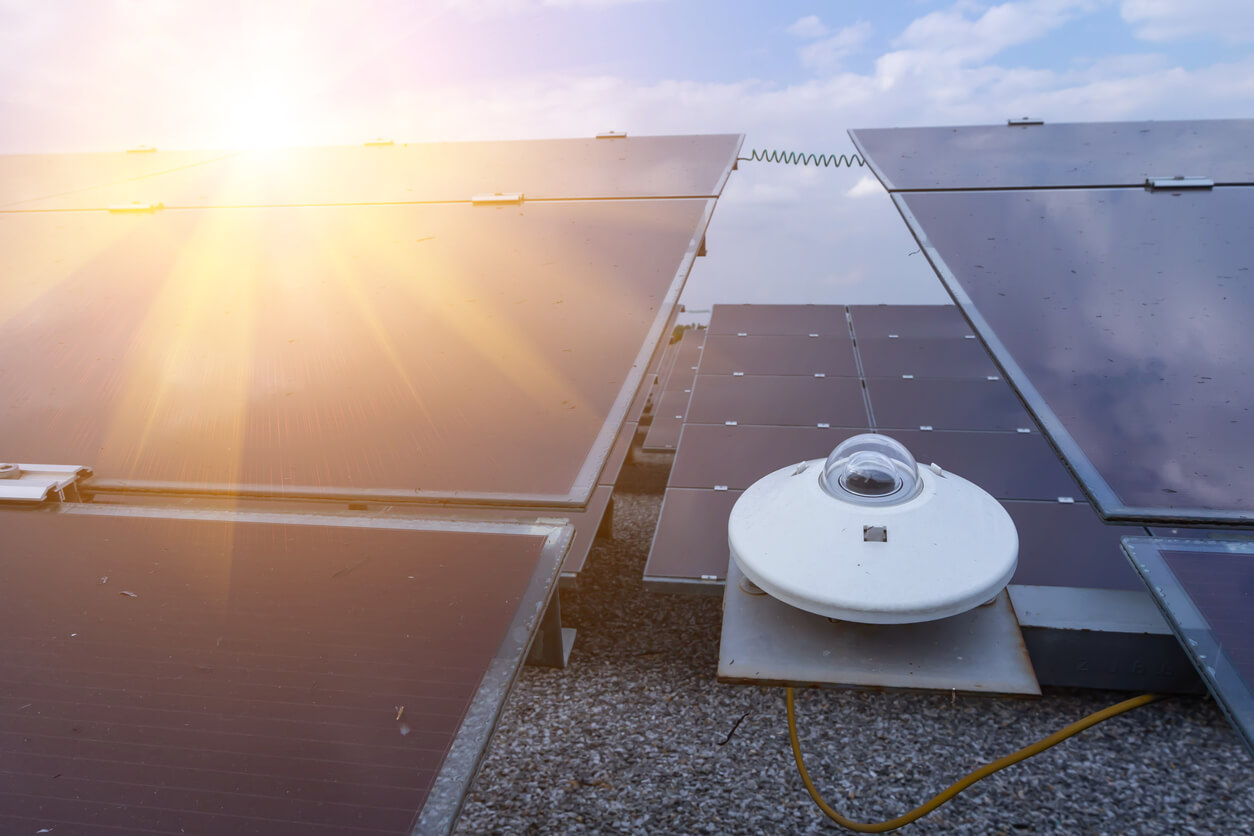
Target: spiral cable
(801, 158)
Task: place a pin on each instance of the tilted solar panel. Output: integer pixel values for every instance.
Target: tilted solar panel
(1121, 316)
(1058, 155)
(369, 351)
(256, 673)
(1205, 588)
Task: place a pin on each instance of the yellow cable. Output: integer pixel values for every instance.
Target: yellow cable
(983, 772)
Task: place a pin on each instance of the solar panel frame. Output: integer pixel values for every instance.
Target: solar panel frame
(1099, 489)
(1232, 689)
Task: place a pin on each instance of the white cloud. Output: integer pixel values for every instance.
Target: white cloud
(1231, 21)
(807, 27)
(866, 186)
(826, 55)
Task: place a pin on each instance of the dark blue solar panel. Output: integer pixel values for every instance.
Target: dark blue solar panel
(1206, 590)
(1052, 155)
(1122, 316)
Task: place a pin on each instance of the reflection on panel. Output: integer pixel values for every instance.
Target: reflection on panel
(310, 660)
(1206, 590)
(399, 351)
(1053, 155)
(1122, 316)
(660, 166)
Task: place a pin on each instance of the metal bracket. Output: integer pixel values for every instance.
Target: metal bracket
(497, 199)
(1178, 183)
(36, 482)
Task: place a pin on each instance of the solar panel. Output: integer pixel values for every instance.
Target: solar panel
(823, 355)
(1007, 465)
(1121, 317)
(367, 351)
(925, 357)
(759, 320)
(1058, 155)
(913, 321)
(779, 400)
(1205, 588)
(946, 404)
(674, 390)
(690, 541)
(256, 673)
(1065, 544)
(633, 167)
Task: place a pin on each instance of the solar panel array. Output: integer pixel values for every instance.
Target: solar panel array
(828, 372)
(348, 410)
(673, 392)
(1106, 267)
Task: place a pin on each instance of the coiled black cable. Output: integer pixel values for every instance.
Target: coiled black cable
(801, 158)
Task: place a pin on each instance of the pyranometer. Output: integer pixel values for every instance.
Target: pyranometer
(869, 536)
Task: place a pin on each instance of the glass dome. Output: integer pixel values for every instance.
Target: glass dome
(871, 469)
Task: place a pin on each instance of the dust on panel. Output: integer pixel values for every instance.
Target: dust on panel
(633, 167)
(1130, 345)
(1206, 590)
(1058, 155)
(397, 356)
(159, 664)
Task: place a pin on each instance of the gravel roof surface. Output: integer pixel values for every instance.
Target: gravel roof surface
(637, 736)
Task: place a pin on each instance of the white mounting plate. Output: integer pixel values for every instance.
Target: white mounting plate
(37, 481)
(767, 642)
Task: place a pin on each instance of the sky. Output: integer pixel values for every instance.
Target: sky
(107, 74)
